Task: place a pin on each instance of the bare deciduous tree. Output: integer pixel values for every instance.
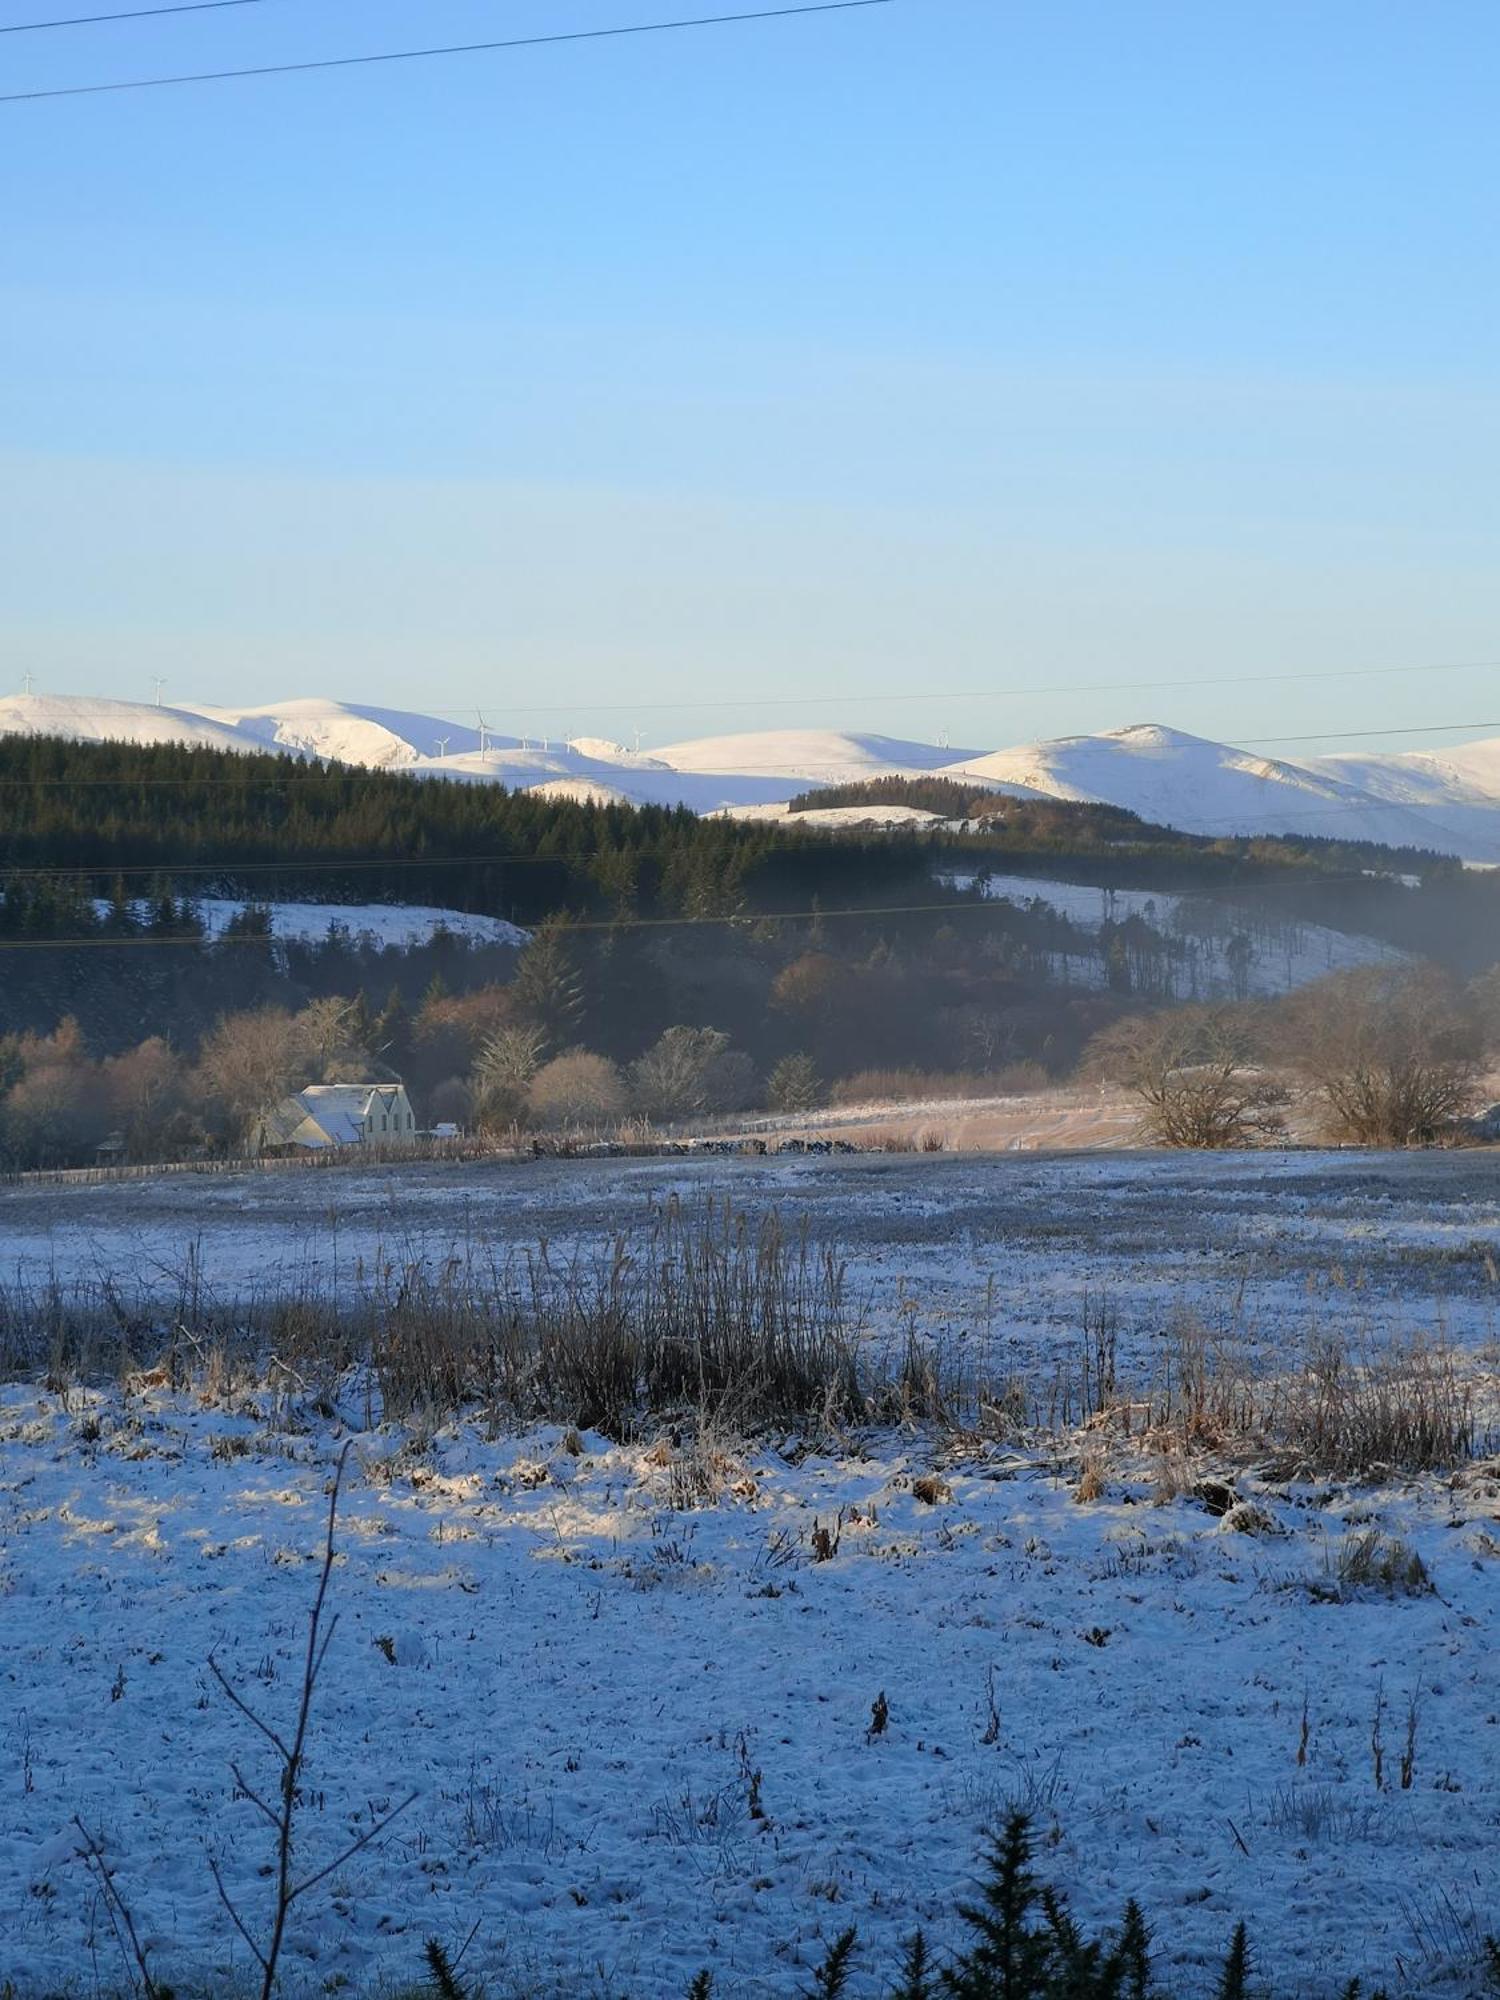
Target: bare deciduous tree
(330, 1031)
(1195, 1072)
(279, 1811)
(689, 1071)
(143, 1091)
(1389, 1050)
(1484, 1004)
(246, 1064)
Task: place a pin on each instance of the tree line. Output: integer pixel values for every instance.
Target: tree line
(127, 822)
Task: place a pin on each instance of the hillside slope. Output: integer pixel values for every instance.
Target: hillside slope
(346, 731)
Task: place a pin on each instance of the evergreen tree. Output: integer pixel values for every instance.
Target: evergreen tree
(794, 1084)
(916, 1972)
(1234, 1980)
(548, 988)
(390, 1033)
(1007, 1960)
(831, 1980)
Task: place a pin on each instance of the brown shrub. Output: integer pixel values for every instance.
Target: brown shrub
(578, 1088)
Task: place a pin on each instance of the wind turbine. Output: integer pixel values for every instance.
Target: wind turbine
(26, 681)
(484, 733)
(442, 744)
(158, 683)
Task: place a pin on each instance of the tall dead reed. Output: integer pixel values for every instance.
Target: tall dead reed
(1406, 1404)
(743, 1323)
(704, 1314)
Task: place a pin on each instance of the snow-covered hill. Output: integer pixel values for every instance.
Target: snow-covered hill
(1454, 792)
(1448, 800)
(832, 818)
(346, 731)
(97, 720)
(1212, 788)
(812, 756)
(564, 769)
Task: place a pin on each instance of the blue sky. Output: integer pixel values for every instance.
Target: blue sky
(941, 348)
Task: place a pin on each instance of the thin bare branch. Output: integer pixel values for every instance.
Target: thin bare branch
(234, 1915)
(244, 1707)
(282, 1818)
(121, 1921)
(371, 1833)
(247, 1790)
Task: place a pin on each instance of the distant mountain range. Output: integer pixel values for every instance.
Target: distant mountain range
(1446, 800)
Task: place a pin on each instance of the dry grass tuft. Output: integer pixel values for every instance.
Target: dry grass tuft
(700, 1472)
(1371, 1561)
(1091, 1479)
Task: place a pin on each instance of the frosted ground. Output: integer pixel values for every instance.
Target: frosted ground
(580, 1678)
(993, 1256)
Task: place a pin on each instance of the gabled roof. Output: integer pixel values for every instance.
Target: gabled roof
(342, 1108)
(325, 1114)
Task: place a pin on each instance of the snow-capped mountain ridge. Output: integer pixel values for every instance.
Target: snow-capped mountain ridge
(1447, 800)
(1176, 779)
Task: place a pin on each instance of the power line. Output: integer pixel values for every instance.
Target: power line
(1242, 824)
(452, 49)
(133, 14)
(960, 770)
(993, 905)
(460, 710)
(581, 924)
(1349, 735)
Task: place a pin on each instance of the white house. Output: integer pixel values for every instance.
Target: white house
(339, 1114)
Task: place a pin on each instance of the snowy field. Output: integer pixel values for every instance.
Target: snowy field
(993, 1256)
(638, 1731)
(392, 925)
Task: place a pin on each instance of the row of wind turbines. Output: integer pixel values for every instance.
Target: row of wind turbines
(486, 731)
